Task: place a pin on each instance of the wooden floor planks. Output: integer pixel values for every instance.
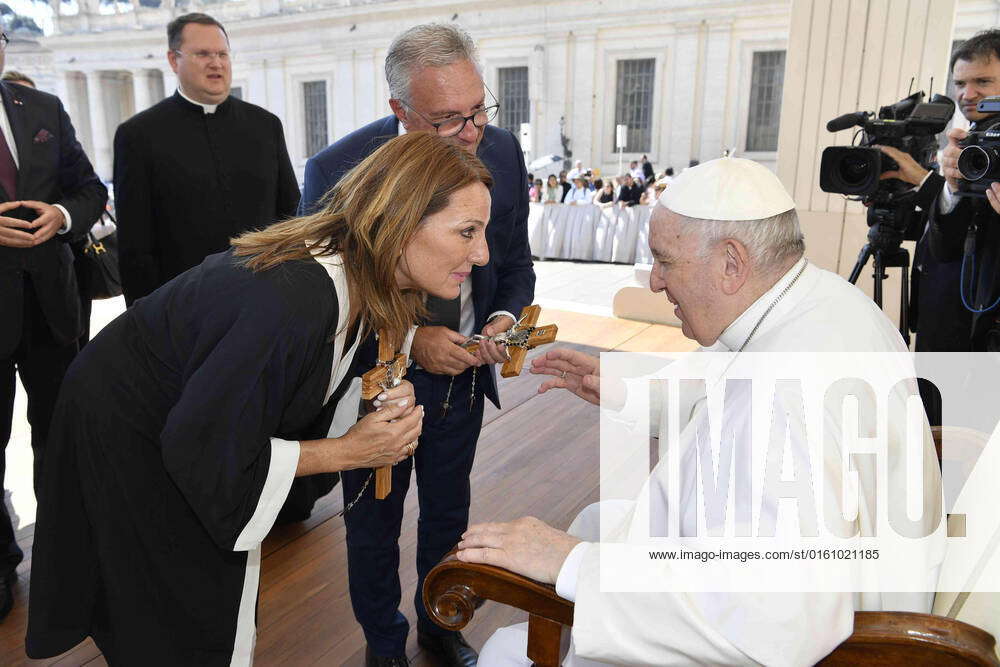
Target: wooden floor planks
(537, 455)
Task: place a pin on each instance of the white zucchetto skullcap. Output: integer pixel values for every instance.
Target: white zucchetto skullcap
(728, 188)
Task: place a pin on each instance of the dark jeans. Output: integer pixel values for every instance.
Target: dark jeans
(41, 362)
(443, 462)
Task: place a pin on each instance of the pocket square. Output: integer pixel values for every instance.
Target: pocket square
(42, 136)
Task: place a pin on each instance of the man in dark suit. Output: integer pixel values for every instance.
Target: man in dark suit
(435, 85)
(50, 196)
(198, 168)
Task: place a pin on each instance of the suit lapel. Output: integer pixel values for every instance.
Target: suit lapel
(18, 126)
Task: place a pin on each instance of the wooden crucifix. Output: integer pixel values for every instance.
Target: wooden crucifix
(388, 373)
(523, 336)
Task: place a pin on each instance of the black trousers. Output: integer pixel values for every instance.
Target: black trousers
(41, 362)
(443, 462)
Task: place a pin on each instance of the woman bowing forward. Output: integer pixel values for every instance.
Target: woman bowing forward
(180, 428)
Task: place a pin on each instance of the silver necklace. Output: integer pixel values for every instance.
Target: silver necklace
(773, 304)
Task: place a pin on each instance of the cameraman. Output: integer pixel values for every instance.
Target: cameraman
(975, 68)
(946, 325)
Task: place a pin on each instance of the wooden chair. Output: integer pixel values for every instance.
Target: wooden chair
(453, 589)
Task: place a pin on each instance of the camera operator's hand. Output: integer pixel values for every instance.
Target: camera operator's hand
(993, 195)
(949, 158)
(909, 170)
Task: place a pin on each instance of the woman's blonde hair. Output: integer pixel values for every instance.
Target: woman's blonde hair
(368, 218)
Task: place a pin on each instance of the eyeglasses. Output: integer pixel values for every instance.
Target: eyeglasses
(453, 125)
(4, 40)
(206, 56)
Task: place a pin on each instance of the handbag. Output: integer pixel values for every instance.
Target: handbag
(99, 275)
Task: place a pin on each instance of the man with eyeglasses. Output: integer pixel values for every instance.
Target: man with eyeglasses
(49, 196)
(198, 168)
(435, 84)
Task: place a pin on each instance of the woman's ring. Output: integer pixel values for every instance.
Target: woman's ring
(563, 376)
(409, 448)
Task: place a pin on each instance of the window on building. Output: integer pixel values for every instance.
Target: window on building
(512, 84)
(765, 100)
(634, 104)
(314, 104)
(237, 92)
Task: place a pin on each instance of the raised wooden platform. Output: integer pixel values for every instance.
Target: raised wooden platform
(537, 456)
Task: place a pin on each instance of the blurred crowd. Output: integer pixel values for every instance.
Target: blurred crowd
(639, 186)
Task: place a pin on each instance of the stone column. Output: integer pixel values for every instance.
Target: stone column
(583, 67)
(685, 129)
(55, 4)
(62, 88)
(169, 81)
(98, 125)
(140, 89)
(718, 41)
(536, 95)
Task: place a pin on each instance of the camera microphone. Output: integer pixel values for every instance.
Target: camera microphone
(847, 120)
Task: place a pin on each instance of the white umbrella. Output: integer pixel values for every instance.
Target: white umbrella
(544, 161)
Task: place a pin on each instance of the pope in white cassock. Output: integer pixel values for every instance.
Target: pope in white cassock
(729, 256)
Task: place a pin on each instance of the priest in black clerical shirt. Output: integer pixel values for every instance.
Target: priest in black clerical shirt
(198, 168)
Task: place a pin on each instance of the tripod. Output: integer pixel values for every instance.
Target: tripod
(884, 241)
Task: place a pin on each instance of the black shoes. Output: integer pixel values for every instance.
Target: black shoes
(450, 649)
(372, 660)
(7, 594)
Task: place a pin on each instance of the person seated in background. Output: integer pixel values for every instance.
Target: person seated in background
(577, 170)
(565, 184)
(553, 192)
(631, 192)
(729, 255)
(647, 170)
(535, 191)
(659, 187)
(579, 193)
(605, 196)
(635, 171)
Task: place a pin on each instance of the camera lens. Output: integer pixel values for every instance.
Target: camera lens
(973, 163)
(850, 170)
(853, 172)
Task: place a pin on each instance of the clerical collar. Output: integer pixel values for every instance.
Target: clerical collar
(737, 334)
(209, 108)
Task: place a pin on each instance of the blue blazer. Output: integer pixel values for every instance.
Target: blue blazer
(508, 281)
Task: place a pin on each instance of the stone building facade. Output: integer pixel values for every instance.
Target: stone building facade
(691, 78)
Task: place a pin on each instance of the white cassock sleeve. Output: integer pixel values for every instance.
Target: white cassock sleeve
(673, 628)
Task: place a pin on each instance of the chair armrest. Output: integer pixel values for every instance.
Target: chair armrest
(911, 639)
(453, 590)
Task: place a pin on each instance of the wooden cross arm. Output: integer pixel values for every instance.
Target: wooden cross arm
(513, 366)
(372, 381)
